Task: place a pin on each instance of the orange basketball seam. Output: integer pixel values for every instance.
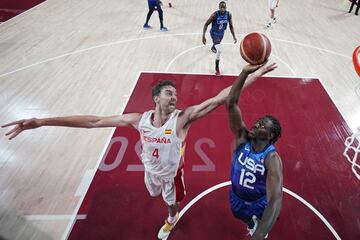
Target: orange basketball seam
(264, 47)
(243, 53)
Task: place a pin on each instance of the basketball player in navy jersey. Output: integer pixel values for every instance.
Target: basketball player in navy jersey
(219, 21)
(155, 5)
(256, 171)
(162, 132)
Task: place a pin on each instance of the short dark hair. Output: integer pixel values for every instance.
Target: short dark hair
(222, 2)
(275, 128)
(159, 86)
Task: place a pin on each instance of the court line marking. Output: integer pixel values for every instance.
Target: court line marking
(296, 196)
(56, 217)
(201, 46)
(92, 175)
(34, 8)
(152, 37)
(233, 74)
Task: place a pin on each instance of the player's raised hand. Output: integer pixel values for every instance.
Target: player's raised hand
(265, 68)
(21, 125)
(260, 69)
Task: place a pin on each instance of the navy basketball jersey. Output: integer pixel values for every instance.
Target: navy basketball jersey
(220, 22)
(248, 172)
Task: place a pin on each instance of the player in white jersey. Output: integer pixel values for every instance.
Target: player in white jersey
(272, 5)
(162, 130)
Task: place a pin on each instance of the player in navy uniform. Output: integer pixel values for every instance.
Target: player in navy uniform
(219, 21)
(155, 5)
(256, 171)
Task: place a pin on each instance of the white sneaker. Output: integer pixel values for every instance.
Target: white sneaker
(256, 223)
(165, 230)
(274, 20)
(268, 25)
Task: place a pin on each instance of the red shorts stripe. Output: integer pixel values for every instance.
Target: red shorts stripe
(179, 185)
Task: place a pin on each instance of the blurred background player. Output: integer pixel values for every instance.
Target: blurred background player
(256, 171)
(155, 5)
(357, 8)
(219, 21)
(272, 5)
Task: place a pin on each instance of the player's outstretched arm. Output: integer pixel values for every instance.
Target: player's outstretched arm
(248, 75)
(195, 112)
(81, 121)
(274, 184)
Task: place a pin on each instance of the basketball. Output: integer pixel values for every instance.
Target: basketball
(255, 48)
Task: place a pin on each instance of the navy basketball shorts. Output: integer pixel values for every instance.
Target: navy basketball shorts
(216, 37)
(154, 5)
(244, 210)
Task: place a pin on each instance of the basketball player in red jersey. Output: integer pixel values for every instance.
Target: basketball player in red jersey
(162, 131)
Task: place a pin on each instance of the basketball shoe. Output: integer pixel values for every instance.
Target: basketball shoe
(147, 26)
(272, 21)
(170, 5)
(217, 72)
(165, 230)
(253, 229)
(164, 29)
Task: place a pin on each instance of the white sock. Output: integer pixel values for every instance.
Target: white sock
(171, 219)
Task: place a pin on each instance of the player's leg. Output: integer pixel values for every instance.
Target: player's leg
(173, 192)
(153, 184)
(272, 5)
(357, 8)
(148, 16)
(256, 210)
(152, 7)
(352, 5)
(216, 45)
(161, 19)
(248, 212)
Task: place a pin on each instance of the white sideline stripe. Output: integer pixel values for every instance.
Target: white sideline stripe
(54, 217)
(182, 53)
(85, 182)
(76, 210)
(286, 64)
(220, 185)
